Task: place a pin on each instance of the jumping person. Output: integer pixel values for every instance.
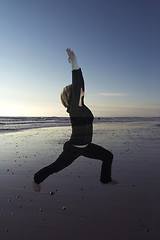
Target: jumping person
(80, 143)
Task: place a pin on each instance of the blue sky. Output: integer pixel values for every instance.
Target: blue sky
(117, 47)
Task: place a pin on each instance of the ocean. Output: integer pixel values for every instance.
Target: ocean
(11, 124)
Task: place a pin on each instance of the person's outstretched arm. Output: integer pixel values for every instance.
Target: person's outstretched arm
(77, 80)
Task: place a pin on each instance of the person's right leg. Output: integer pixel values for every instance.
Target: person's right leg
(97, 152)
(68, 155)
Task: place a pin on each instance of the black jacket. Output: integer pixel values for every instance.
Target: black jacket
(81, 117)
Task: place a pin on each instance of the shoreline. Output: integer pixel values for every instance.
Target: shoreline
(68, 124)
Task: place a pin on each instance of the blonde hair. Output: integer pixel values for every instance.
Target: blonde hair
(66, 95)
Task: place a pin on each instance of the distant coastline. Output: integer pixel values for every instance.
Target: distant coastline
(11, 124)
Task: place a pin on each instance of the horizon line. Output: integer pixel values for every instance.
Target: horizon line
(69, 117)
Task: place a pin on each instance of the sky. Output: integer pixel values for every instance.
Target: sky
(117, 47)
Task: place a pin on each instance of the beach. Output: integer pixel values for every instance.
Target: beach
(73, 204)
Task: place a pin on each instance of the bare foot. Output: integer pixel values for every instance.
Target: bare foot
(36, 187)
(113, 182)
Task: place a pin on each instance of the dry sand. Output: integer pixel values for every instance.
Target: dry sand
(73, 204)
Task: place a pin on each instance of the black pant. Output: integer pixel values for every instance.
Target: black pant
(70, 153)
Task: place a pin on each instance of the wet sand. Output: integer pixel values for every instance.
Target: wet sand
(73, 204)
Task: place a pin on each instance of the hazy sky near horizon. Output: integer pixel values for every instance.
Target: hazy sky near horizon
(117, 47)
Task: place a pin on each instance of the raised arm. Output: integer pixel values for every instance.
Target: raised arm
(77, 80)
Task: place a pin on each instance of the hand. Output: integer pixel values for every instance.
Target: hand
(71, 56)
(82, 93)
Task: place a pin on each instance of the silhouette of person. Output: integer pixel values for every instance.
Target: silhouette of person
(80, 143)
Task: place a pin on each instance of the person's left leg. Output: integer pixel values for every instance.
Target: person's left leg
(97, 152)
(68, 155)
